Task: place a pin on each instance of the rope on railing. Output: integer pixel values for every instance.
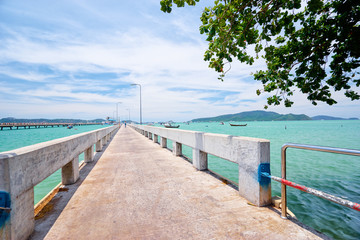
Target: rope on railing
(315, 192)
(312, 191)
(5, 209)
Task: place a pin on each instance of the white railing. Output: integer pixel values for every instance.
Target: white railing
(23, 168)
(251, 154)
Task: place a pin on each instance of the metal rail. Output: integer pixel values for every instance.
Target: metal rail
(315, 192)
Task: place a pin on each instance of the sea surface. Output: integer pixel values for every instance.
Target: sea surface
(332, 173)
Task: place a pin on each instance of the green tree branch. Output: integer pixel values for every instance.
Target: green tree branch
(314, 49)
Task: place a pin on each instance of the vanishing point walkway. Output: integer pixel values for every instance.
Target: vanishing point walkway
(138, 190)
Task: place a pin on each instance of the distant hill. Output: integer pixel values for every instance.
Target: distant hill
(254, 116)
(323, 117)
(41, 120)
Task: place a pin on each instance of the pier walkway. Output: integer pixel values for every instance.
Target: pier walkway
(138, 190)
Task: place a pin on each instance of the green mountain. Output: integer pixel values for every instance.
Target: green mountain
(254, 116)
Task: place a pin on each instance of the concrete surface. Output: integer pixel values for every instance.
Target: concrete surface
(138, 190)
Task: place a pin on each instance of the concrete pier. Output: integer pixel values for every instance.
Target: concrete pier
(38, 125)
(139, 190)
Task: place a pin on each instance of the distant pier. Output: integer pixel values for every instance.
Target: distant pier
(38, 125)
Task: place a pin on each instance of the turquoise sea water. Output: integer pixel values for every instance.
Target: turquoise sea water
(13, 139)
(332, 173)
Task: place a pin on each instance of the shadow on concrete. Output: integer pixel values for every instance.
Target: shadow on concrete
(297, 222)
(50, 213)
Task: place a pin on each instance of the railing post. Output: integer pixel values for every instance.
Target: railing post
(146, 134)
(70, 172)
(98, 145)
(200, 160)
(109, 136)
(155, 139)
(252, 162)
(177, 148)
(283, 186)
(89, 154)
(163, 142)
(150, 136)
(19, 223)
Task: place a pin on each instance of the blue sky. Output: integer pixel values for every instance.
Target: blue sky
(77, 59)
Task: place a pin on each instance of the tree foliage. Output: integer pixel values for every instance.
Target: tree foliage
(313, 46)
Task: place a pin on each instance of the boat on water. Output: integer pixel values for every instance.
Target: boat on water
(222, 123)
(70, 127)
(168, 125)
(238, 125)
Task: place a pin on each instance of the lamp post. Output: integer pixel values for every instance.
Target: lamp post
(117, 112)
(134, 84)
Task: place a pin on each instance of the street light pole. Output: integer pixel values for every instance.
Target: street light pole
(134, 84)
(117, 112)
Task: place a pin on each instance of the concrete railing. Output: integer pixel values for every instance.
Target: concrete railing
(251, 154)
(23, 168)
